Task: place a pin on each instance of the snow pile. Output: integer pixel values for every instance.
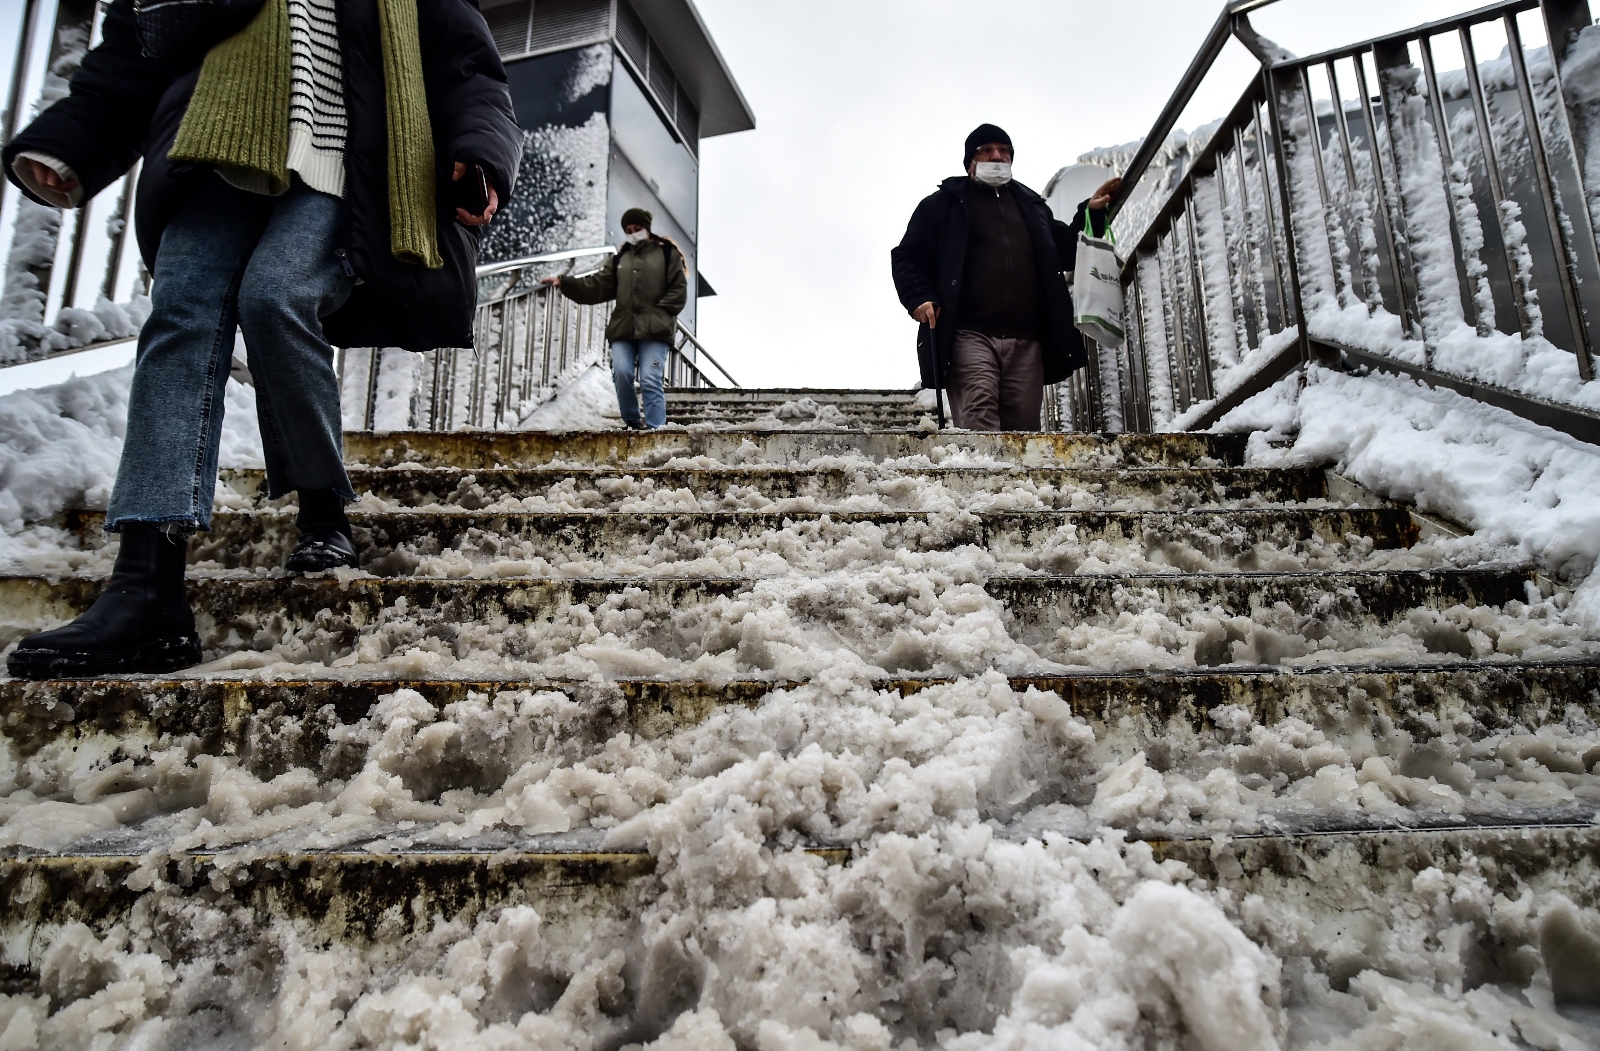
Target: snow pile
(586, 402)
(1513, 482)
(59, 448)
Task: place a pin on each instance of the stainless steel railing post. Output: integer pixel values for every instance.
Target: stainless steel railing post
(1470, 287)
(1361, 208)
(1291, 252)
(1566, 264)
(1257, 292)
(1325, 199)
(1496, 181)
(1202, 310)
(1391, 206)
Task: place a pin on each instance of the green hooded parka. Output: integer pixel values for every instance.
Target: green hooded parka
(650, 286)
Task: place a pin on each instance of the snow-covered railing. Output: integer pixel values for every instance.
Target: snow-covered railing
(72, 282)
(1374, 199)
(529, 340)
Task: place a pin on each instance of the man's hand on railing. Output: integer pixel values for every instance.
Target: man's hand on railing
(551, 281)
(928, 314)
(1103, 195)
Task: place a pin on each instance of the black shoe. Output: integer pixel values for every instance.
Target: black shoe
(140, 623)
(323, 549)
(325, 538)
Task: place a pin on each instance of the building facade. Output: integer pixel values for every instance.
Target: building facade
(614, 98)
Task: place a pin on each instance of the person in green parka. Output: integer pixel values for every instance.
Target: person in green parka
(649, 281)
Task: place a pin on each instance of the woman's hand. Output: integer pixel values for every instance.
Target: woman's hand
(47, 177)
(462, 215)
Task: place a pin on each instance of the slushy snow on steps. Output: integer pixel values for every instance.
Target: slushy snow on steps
(802, 726)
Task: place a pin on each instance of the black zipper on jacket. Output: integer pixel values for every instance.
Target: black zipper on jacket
(346, 223)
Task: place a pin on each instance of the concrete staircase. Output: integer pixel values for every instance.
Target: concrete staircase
(876, 409)
(523, 546)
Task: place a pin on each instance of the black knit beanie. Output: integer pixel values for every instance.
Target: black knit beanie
(637, 217)
(982, 136)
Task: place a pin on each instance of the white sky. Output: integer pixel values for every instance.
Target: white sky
(862, 107)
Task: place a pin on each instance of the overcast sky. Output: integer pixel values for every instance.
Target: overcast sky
(862, 107)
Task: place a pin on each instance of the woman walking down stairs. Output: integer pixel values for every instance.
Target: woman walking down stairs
(809, 727)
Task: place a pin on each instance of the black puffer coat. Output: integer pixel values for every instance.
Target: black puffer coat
(124, 106)
(929, 262)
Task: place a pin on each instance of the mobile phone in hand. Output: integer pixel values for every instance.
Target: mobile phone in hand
(472, 191)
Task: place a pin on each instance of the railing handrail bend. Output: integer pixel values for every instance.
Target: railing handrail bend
(1207, 57)
(523, 263)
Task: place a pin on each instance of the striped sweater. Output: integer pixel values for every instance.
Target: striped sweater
(317, 125)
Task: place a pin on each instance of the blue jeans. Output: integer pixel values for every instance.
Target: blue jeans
(232, 259)
(646, 360)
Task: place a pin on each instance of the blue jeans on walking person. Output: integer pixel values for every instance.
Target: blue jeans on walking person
(232, 259)
(646, 361)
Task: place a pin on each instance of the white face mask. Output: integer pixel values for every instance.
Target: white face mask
(992, 173)
(637, 237)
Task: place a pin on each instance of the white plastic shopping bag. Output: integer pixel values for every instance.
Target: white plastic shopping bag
(1097, 287)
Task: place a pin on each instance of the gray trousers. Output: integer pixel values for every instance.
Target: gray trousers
(996, 384)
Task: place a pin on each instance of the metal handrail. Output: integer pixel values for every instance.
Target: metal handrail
(1436, 28)
(1289, 210)
(510, 265)
(702, 352)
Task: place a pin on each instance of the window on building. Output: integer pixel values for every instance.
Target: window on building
(654, 69)
(530, 27)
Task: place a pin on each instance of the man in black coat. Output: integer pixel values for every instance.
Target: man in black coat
(344, 227)
(982, 267)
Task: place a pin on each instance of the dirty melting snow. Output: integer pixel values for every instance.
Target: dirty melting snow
(1000, 893)
(944, 930)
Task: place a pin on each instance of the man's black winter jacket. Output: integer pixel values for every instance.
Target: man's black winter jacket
(929, 262)
(123, 106)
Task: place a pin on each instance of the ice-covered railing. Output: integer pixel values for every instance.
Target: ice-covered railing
(1373, 206)
(529, 341)
(72, 281)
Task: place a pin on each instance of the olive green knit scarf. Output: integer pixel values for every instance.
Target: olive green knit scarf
(239, 118)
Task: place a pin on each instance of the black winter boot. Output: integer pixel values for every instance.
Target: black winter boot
(325, 538)
(140, 623)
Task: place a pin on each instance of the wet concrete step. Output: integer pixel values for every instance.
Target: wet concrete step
(1050, 538)
(759, 406)
(534, 448)
(779, 395)
(274, 726)
(856, 420)
(673, 614)
(1302, 604)
(361, 898)
(752, 488)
